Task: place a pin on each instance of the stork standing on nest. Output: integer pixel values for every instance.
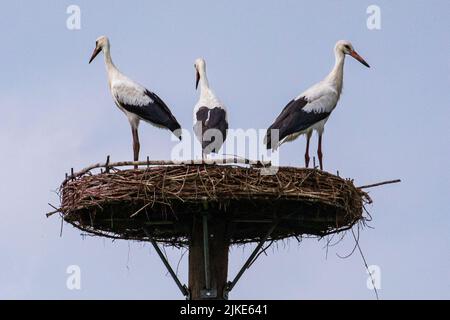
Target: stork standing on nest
(311, 109)
(210, 114)
(134, 100)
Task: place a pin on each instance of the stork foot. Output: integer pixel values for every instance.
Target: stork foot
(319, 154)
(307, 160)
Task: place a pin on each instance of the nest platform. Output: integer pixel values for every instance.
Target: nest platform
(166, 199)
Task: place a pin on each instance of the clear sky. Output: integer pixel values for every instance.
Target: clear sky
(391, 122)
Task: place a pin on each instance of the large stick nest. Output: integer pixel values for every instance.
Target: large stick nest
(166, 200)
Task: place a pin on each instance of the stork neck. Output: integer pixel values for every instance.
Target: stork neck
(337, 74)
(204, 83)
(110, 67)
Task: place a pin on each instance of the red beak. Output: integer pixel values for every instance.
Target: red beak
(355, 55)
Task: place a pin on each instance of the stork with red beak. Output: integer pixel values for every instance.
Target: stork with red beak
(310, 110)
(134, 100)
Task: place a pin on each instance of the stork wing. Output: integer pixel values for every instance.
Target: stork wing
(298, 115)
(146, 105)
(214, 118)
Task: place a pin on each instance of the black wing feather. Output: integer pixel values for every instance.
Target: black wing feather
(207, 119)
(156, 112)
(294, 119)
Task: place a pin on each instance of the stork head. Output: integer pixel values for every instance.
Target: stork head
(200, 67)
(345, 47)
(100, 44)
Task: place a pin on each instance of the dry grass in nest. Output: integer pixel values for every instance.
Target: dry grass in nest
(165, 198)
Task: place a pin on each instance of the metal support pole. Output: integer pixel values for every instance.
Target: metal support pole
(230, 285)
(184, 290)
(208, 293)
(206, 251)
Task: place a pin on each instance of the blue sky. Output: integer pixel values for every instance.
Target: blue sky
(391, 122)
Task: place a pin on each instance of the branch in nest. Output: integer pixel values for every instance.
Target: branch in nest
(380, 184)
(108, 165)
(53, 212)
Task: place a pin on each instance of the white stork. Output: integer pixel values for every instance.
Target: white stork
(311, 109)
(210, 114)
(134, 100)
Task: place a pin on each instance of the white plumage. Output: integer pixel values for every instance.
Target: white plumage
(311, 109)
(134, 100)
(210, 115)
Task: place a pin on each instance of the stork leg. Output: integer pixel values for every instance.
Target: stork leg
(136, 145)
(308, 138)
(204, 157)
(319, 151)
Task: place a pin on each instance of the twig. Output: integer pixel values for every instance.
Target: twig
(365, 263)
(137, 212)
(380, 184)
(52, 212)
(107, 165)
(168, 163)
(179, 261)
(62, 225)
